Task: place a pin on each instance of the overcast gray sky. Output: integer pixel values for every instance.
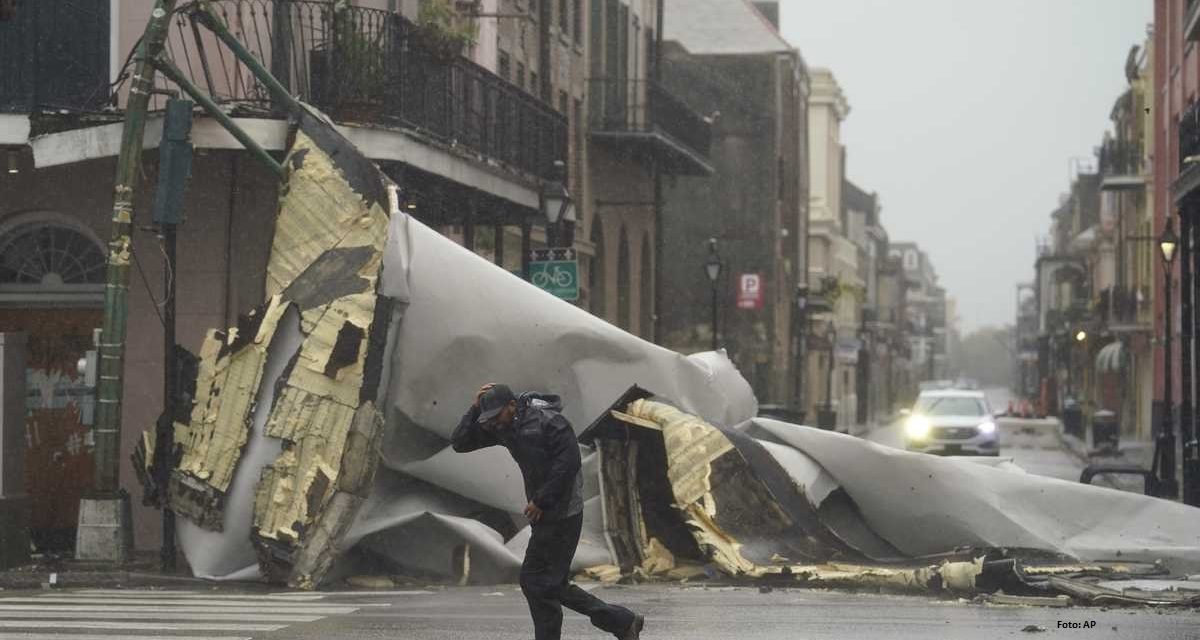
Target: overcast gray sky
(964, 115)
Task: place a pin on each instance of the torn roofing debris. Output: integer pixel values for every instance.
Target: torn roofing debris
(318, 442)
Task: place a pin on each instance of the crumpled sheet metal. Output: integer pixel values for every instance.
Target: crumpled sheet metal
(925, 505)
(896, 511)
(321, 406)
(363, 279)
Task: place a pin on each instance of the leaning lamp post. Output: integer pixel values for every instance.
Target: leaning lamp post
(712, 268)
(1165, 447)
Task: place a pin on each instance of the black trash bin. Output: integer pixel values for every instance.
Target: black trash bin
(1106, 431)
(1072, 417)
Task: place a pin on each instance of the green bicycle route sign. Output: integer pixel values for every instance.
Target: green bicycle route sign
(555, 271)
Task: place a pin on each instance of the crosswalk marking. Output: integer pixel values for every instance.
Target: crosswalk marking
(193, 595)
(327, 610)
(161, 602)
(161, 615)
(5, 635)
(109, 614)
(149, 626)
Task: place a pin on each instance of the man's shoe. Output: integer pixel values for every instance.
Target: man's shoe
(635, 628)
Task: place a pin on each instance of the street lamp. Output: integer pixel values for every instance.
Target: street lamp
(1081, 336)
(712, 267)
(559, 209)
(1165, 448)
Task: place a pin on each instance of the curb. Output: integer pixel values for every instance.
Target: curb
(42, 579)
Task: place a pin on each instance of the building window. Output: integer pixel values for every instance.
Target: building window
(50, 254)
(577, 168)
(564, 103)
(577, 20)
(504, 66)
(533, 85)
(563, 15)
(521, 75)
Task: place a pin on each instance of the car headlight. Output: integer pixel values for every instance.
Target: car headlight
(987, 427)
(917, 427)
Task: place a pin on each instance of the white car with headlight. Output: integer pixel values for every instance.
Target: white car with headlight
(952, 422)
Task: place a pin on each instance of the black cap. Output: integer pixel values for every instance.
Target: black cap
(493, 401)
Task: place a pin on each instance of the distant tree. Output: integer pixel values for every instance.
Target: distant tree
(985, 355)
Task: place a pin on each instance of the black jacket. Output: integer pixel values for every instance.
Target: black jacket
(543, 445)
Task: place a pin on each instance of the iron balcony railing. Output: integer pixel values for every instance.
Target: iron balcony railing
(54, 56)
(1189, 135)
(624, 105)
(372, 66)
(1120, 158)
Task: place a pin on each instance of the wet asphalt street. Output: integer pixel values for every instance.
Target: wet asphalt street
(498, 613)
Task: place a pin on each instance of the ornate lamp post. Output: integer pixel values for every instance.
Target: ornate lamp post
(559, 209)
(1164, 462)
(712, 268)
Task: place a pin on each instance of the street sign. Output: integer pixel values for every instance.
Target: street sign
(750, 291)
(555, 271)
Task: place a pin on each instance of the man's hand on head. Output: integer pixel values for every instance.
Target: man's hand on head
(533, 513)
(483, 390)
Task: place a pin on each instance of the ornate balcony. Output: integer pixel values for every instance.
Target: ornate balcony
(369, 66)
(643, 114)
(1121, 166)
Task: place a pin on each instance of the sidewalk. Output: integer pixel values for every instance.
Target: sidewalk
(53, 573)
(1138, 453)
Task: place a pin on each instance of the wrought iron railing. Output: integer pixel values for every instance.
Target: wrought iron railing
(620, 104)
(54, 56)
(1119, 306)
(1120, 158)
(370, 66)
(1189, 135)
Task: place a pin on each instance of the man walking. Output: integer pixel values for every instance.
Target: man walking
(543, 445)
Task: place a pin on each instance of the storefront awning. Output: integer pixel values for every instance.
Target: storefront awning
(1110, 358)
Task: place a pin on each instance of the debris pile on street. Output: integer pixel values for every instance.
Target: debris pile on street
(319, 441)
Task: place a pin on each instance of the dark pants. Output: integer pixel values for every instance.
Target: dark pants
(545, 582)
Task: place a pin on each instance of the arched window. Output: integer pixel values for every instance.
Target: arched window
(45, 259)
(48, 254)
(596, 288)
(623, 314)
(646, 298)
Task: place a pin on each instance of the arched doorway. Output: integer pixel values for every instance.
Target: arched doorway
(597, 292)
(646, 291)
(52, 289)
(624, 319)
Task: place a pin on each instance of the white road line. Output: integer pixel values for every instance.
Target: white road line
(299, 595)
(191, 596)
(366, 594)
(5, 635)
(297, 606)
(147, 626)
(328, 610)
(53, 614)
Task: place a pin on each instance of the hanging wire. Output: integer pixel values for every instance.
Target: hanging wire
(149, 292)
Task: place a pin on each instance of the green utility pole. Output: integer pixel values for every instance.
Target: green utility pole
(104, 533)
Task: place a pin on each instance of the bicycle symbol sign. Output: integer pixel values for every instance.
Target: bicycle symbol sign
(557, 277)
